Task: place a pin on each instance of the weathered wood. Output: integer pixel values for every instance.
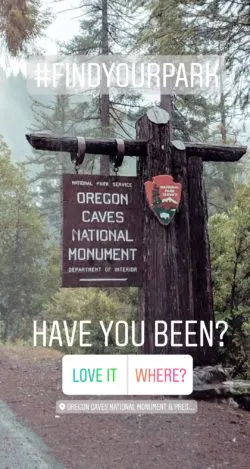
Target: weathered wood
(178, 144)
(105, 121)
(93, 146)
(104, 98)
(158, 115)
(183, 241)
(41, 141)
(167, 104)
(167, 281)
(200, 254)
(215, 152)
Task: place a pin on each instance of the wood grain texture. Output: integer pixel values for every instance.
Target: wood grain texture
(207, 152)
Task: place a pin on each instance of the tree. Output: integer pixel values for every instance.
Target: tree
(166, 31)
(104, 31)
(226, 23)
(21, 21)
(23, 250)
(156, 196)
(230, 253)
(59, 117)
(230, 245)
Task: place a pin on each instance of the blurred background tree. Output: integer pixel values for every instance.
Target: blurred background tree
(230, 251)
(21, 22)
(23, 247)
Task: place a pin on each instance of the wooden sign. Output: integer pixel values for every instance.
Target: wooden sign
(101, 231)
(163, 196)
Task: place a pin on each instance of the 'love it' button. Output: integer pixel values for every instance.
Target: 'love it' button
(94, 375)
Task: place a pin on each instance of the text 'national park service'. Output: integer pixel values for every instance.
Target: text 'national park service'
(102, 230)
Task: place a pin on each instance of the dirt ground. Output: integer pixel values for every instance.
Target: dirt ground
(217, 437)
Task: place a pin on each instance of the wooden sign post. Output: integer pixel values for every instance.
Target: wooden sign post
(176, 281)
(173, 260)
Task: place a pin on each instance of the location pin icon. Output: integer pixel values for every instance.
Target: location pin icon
(62, 406)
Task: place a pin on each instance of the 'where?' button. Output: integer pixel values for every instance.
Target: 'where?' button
(160, 375)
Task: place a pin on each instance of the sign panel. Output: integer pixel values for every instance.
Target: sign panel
(101, 231)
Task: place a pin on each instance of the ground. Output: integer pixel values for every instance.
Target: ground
(217, 437)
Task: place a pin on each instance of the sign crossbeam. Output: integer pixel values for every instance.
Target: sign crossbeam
(43, 141)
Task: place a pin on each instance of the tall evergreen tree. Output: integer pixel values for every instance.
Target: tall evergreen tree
(104, 31)
(23, 250)
(227, 25)
(167, 31)
(60, 118)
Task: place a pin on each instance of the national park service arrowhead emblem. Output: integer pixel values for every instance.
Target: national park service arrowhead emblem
(163, 196)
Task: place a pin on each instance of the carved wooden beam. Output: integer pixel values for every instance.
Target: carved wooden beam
(43, 141)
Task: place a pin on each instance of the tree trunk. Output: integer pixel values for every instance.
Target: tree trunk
(200, 253)
(167, 281)
(176, 272)
(166, 103)
(104, 99)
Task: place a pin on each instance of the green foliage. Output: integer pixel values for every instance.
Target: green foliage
(222, 181)
(226, 23)
(94, 305)
(166, 30)
(230, 247)
(107, 29)
(21, 21)
(230, 253)
(59, 118)
(23, 250)
(236, 350)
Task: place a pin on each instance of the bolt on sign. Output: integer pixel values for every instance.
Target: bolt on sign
(101, 231)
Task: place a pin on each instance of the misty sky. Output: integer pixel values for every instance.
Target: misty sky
(64, 26)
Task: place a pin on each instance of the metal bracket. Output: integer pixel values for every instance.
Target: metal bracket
(120, 153)
(81, 150)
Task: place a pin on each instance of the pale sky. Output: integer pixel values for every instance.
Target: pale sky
(64, 26)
